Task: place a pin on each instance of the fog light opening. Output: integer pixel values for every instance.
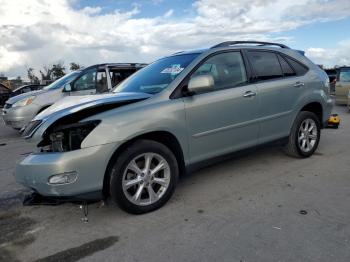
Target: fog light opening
(64, 178)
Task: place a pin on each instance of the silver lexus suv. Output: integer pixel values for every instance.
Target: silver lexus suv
(179, 111)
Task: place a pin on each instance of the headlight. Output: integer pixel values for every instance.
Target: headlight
(24, 102)
(69, 137)
(31, 127)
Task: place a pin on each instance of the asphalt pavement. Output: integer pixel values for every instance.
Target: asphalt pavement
(262, 206)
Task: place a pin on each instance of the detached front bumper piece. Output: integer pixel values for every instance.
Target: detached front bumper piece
(87, 164)
(35, 199)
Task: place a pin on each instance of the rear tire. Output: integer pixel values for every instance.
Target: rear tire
(304, 136)
(136, 185)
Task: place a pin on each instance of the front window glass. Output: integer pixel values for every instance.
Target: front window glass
(344, 75)
(86, 81)
(227, 70)
(62, 81)
(157, 76)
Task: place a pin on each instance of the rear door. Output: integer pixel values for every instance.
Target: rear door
(279, 86)
(225, 119)
(342, 86)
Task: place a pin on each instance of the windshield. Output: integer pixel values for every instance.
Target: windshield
(157, 76)
(62, 81)
(344, 75)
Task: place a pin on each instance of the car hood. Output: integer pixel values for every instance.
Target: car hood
(17, 98)
(77, 107)
(76, 103)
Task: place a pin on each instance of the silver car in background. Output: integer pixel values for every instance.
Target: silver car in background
(19, 110)
(176, 113)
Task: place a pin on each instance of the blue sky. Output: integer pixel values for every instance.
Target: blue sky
(323, 34)
(35, 33)
(328, 33)
(149, 8)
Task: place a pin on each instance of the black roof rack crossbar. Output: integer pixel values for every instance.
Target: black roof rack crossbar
(230, 43)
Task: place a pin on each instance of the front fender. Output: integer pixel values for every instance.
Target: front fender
(143, 118)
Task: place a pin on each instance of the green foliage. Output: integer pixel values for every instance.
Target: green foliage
(32, 77)
(74, 66)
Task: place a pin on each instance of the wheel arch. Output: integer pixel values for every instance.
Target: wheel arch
(316, 108)
(164, 137)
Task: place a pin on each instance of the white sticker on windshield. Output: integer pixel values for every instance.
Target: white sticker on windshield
(174, 70)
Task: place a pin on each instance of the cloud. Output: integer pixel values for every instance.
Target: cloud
(340, 55)
(38, 32)
(91, 10)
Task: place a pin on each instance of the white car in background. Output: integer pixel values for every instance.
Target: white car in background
(101, 78)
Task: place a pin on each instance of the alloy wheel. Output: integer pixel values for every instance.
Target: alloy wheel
(307, 135)
(146, 178)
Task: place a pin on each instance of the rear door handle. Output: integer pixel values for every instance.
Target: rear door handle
(299, 84)
(249, 94)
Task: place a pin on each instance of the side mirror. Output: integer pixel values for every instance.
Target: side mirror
(67, 88)
(200, 84)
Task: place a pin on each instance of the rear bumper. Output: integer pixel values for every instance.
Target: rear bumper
(90, 164)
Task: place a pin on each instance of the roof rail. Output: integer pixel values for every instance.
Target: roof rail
(178, 52)
(229, 43)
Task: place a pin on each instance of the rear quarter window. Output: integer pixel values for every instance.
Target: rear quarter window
(299, 68)
(286, 68)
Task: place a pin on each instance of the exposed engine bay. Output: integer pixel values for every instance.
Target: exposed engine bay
(68, 132)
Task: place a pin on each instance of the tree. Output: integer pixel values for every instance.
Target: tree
(52, 72)
(32, 77)
(58, 70)
(74, 66)
(46, 74)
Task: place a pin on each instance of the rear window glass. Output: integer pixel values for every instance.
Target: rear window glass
(298, 67)
(266, 65)
(344, 75)
(286, 68)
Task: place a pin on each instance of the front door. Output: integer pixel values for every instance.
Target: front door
(90, 82)
(225, 119)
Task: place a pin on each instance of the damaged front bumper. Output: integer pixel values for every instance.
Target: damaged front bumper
(88, 164)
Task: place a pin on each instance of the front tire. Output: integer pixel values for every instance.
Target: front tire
(143, 177)
(304, 136)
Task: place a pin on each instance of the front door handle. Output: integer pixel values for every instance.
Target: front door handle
(249, 94)
(299, 84)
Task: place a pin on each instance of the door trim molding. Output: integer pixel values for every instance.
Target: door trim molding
(239, 125)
